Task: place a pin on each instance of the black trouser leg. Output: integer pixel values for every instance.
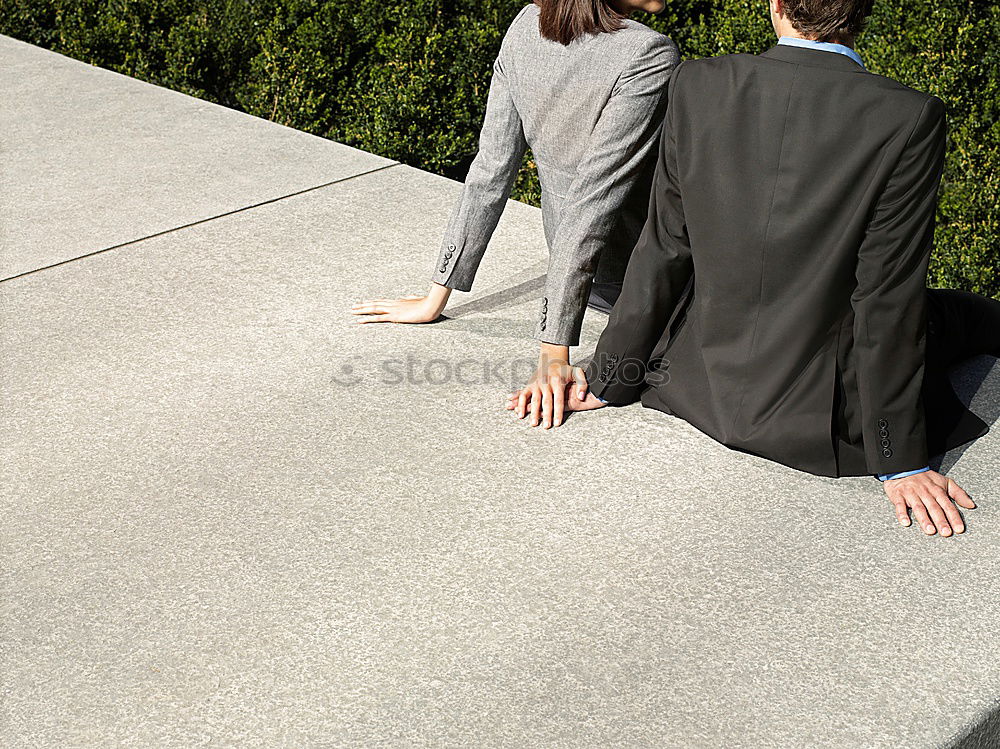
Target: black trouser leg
(960, 325)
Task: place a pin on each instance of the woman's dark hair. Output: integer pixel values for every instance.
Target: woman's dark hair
(564, 20)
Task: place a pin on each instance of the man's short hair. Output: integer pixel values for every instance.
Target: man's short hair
(827, 20)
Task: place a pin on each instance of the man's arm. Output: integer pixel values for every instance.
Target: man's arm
(890, 331)
(658, 272)
(889, 300)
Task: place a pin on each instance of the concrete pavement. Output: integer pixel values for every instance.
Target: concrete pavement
(233, 517)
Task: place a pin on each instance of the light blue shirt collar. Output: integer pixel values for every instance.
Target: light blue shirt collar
(840, 49)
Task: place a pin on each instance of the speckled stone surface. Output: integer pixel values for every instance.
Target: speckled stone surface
(234, 517)
(92, 159)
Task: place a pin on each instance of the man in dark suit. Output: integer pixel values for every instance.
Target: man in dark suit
(777, 297)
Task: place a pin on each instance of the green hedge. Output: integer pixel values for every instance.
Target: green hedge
(409, 81)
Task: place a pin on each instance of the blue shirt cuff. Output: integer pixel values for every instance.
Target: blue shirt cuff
(887, 476)
(600, 399)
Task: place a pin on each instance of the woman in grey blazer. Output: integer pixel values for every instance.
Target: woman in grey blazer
(585, 87)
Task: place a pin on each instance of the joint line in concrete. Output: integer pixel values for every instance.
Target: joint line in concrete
(200, 221)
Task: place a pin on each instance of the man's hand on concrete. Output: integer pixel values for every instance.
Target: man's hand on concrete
(932, 498)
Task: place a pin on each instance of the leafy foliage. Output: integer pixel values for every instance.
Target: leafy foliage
(409, 81)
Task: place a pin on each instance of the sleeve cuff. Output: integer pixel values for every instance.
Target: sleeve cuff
(888, 476)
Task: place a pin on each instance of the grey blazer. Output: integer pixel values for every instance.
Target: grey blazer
(591, 113)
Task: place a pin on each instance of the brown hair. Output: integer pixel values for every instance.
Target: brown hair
(827, 20)
(564, 20)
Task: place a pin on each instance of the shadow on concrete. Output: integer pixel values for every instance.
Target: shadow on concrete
(968, 379)
(508, 297)
(985, 735)
(491, 327)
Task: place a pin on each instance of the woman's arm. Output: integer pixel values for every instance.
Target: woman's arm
(487, 186)
(475, 215)
(622, 145)
(619, 151)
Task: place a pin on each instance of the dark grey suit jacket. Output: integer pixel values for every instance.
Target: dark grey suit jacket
(790, 225)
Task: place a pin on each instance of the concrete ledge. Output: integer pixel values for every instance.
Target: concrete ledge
(93, 159)
(233, 516)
